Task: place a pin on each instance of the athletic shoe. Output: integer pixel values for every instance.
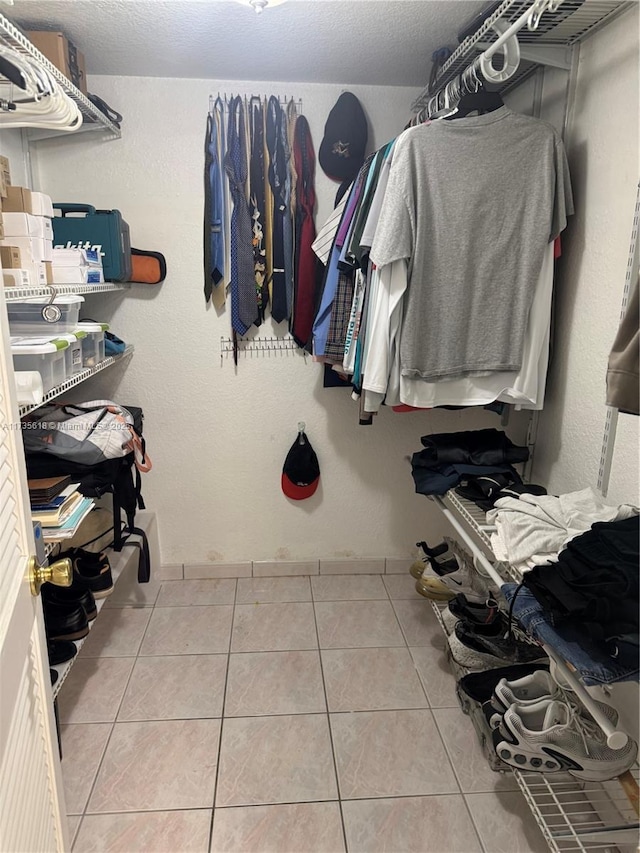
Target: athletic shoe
(465, 579)
(434, 589)
(465, 610)
(476, 651)
(429, 560)
(551, 737)
(532, 688)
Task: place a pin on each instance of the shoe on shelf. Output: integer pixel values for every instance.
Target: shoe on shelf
(434, 589)
(60, 651)
(429, 560)
(552, 737)
(64, 621)
(77, 595)
(53, 675)
(474, 650)
(465, 610)
(93, 575)
(531, 689)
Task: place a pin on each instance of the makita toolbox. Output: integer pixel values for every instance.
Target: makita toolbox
(104, 230)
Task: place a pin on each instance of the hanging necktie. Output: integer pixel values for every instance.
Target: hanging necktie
(277, 179)
(257, 203)
(206, 238)
(287, 224)
(244, 298)
(305, 259)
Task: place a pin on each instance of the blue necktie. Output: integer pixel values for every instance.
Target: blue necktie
(244, 296)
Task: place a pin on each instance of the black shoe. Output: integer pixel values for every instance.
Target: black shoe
(64, 621)
(60, 651)
(473, 613)
(53, 675)
(76, 595)
(93, 575)
(502, 646)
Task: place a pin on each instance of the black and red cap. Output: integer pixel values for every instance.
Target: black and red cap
(301, 471)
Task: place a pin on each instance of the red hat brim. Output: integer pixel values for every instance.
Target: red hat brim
(298, 493)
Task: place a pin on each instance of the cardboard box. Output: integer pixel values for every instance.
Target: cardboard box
(23, 225)
(78, 275)
(18, 200)
(48, 271)
(5, 176)
(2, 227)
(11, 257)
(63, 54)
(33, 249)
(17, 278)
(47, 250)
(41, 204)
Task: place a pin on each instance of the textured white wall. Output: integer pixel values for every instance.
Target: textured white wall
(218, 440)
(603, 154)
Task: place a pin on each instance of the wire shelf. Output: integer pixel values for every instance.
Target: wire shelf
(93, 119)
(584, 816)
(16, 294)
(572, 23)
(76, 380)
(573, 815)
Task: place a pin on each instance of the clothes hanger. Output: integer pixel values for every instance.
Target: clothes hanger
(480, 101)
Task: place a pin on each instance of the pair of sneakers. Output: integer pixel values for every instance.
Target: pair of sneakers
(442, 580)
(540, 727)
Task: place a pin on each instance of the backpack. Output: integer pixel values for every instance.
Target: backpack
(86, 433)
(109, 475)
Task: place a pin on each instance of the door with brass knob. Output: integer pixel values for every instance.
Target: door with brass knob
(31, 792)
(59, 573)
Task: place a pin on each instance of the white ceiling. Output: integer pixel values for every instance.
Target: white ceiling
(382, 42)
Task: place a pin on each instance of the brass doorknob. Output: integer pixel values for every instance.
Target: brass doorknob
(59, 573)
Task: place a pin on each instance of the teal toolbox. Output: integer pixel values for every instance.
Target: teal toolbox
(104, 230)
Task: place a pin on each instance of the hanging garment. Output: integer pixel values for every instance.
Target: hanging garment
(327, 234)
(305, 261)
(214, 259)
(623, 381)
(276, 132)
(257, 203)
(471, 205)
(268, 206)
(244, 298)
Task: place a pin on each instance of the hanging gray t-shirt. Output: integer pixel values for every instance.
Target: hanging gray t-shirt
(471, 203)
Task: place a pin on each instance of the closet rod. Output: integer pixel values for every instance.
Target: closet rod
(615, 739)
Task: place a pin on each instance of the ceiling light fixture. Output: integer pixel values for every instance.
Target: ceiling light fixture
(260, 5)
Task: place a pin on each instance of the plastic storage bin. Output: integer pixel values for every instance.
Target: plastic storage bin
(28, 317)
(93, 343)
(48, 359)
(73, 353)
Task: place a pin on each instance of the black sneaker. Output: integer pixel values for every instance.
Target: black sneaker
(496, 644)
(76, 595)
(64, 621)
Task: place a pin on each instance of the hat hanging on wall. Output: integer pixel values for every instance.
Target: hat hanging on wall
(344, 143)
(301, 472)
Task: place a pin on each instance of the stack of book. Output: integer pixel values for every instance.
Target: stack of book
(59, 507)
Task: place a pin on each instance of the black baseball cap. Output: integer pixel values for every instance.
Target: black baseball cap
(301, 472)
(344, 144)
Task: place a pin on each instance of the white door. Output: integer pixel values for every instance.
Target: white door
(31, 795)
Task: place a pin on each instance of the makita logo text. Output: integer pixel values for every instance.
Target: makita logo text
(85, 245)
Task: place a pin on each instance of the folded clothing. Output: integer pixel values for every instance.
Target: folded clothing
(595, 583)
(591, 659)
(532, 529)
(473, 447)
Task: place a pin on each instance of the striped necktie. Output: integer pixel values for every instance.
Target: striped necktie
(244, 297)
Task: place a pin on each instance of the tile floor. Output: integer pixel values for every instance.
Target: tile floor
(277, 715)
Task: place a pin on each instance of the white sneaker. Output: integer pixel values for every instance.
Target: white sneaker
(551, 737)
(532, 688)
